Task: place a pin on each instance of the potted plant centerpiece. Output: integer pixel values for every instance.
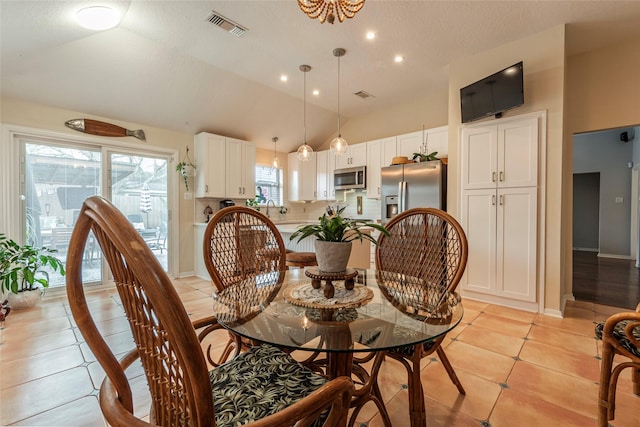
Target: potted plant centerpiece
(23, 271)
(334, 235)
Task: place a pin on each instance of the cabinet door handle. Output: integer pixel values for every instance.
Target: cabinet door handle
(325, 193)
(206, 188)
(501, 176)
(501, 200)
(493, 177)
(493, 200)
(239, 190)
(378, 190)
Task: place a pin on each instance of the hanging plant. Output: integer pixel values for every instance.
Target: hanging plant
(186, 169)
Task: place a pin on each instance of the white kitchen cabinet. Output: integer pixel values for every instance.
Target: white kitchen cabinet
(504, 155)
(209, 151)
(501, 229)
(380, 153)
(241, 168)
(325, 165)
(356, 155)
(437, 140)
(499, 209)
(302, 178)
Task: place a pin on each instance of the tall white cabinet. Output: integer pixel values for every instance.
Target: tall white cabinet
(499, 210)
(302, 178)
(241, 169)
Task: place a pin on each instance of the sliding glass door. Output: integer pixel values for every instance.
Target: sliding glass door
(138, 187)
(57, 177)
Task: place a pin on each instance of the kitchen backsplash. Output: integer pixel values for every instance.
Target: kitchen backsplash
(304, 211)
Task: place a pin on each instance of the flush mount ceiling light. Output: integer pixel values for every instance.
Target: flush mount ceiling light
(326, 10)
(339, 144)
(97, 18)
(304, 151)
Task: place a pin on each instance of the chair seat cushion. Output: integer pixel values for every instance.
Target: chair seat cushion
(620, 336)
(258, 383)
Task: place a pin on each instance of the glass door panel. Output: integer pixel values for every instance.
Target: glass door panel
(56, 180)
(139, 189)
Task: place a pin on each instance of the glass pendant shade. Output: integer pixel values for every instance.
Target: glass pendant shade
(275, 153)
(304, 152)
(339, 146)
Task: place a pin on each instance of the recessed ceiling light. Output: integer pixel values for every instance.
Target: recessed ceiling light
(284, 78)
(97, 18)
(316, 92)
(371, 35)
(399, 58)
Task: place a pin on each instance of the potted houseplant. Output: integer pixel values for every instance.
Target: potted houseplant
(334, 235)
(425, 157)
(186, 170)
(23, 271)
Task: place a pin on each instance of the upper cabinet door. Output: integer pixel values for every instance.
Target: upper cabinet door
(374, 151)
(387, 151)
(518, 153)
(248, 169)
(356, 155)
(209, 157)
(479, 160)
(409, 143)
(234, 168)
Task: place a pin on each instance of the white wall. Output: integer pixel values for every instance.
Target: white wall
(603, 152)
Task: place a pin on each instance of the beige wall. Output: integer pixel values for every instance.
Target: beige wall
(22, 113)
(603, 92)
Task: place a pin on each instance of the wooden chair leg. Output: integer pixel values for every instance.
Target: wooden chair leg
(417, 411)
(452, 374)
(635, 377)
(604, 406)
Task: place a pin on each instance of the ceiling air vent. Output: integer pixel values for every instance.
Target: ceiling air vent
(226, 24)
(364, 95)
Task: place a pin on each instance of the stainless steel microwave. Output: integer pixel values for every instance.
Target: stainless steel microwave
(346, 179)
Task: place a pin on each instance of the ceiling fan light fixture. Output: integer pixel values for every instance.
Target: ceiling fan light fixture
(97, 18)
(327, 10)
(305, 150)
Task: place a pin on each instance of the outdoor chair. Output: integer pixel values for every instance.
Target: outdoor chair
(430, 244)
(183, 391)
(620, 335)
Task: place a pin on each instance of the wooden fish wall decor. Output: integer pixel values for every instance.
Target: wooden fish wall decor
(95, 127)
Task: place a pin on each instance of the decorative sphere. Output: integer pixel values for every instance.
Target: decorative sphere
(339, 145)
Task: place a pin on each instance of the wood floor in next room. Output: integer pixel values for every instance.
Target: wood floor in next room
(518, 368)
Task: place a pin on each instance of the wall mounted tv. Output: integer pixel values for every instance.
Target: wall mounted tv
(493, 94)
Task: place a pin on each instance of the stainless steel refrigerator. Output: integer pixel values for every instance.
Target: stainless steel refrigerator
(413, 185)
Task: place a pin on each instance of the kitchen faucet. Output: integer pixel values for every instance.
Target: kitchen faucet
(274, 205)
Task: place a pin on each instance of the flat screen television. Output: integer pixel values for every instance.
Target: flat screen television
(493, 94)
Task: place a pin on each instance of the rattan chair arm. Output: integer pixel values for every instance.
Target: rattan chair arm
(334, 395)
(610, 324)
(114, 411)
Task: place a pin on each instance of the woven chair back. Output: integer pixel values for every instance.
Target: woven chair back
(239, 243)
(165, 340)
(425, 243)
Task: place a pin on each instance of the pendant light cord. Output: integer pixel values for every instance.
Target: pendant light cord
(304, 108)
(339, 133)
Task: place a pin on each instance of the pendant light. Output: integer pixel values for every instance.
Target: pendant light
(339, 144)
(275, 155)
(304, 151)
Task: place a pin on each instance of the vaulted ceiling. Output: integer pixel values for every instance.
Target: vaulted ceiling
(166, 65)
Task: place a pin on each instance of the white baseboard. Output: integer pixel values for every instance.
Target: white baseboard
(614, 256)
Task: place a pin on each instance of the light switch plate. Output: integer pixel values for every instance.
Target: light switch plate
(619, 199)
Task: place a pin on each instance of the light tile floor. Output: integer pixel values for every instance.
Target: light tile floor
(518, 368)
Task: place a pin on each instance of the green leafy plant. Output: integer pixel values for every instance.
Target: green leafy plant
(425, 157)
(23, 268)
(335, 228)
(183, 168)
(252, 203)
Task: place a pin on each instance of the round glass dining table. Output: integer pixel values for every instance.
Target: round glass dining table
(383, 311)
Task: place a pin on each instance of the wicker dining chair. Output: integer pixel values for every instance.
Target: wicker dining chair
(183, 391)
(430, 244)
(239, 243)
(620, 335)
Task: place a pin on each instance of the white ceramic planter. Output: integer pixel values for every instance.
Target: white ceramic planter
(332, 257)
(26, 299)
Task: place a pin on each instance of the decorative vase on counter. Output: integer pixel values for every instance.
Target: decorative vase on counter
(332, 257)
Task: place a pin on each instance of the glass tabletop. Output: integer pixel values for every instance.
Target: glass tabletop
(397, 311)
